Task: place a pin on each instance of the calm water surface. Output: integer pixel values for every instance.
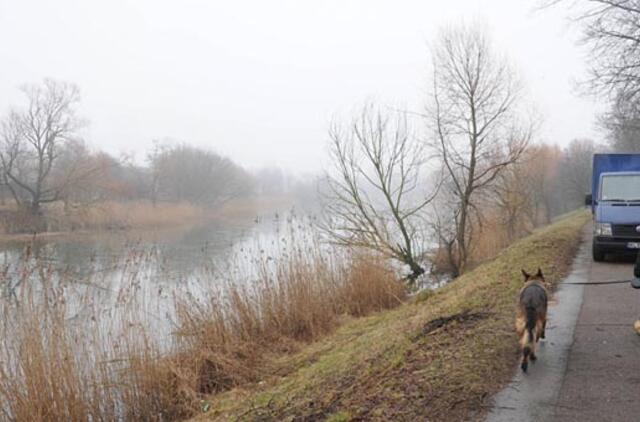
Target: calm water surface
(102, 274)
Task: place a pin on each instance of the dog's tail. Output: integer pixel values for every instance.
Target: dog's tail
(528, 339)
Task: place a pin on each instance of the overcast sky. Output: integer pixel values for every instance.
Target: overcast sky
(260, 80)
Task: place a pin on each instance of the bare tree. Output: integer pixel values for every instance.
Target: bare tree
(154, 156)
(612, 33)
(79, 174)
(186, 173)
(575, 171)
(374, 198)
(32, 140)
(511, 196)
(622, 126)
(474, 119)
(544, 183)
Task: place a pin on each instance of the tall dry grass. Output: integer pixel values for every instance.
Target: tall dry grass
(55, 365)
(298, 299)
(121, 215)
(133, 214)
(106, 215)
(48, 371)
(246, 208)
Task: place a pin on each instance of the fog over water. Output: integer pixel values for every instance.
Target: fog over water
(199, 198)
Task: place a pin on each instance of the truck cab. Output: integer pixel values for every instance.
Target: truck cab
(615, 204)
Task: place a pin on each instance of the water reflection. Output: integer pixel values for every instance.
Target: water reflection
(179, 251)
(100, 275)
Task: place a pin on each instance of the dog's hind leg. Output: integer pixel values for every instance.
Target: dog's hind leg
(528, 342)
(525, 358)
(533, 335)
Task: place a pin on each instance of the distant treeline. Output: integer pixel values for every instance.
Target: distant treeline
(43, 159)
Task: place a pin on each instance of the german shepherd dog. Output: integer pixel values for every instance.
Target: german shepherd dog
(531, 318)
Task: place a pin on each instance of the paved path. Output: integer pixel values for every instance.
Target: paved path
(589, 366)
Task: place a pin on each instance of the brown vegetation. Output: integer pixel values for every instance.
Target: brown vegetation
(120, 215)
(107, 215)
(234, 334)
(58, 364)
(248, 208)
(438, 359)
(545, 183)
(140, 214)
(61, 366)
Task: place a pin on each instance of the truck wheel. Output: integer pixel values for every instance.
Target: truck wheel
(598, 253)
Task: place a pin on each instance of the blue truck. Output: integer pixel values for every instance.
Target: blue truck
(615, 204)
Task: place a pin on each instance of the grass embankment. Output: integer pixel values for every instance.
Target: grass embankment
(413, 362)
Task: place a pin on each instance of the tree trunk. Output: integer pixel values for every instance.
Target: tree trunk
(416, 270)
(35, 208)
(38, 222)
(461, 240)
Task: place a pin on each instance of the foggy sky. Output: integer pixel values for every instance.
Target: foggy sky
(260, 80)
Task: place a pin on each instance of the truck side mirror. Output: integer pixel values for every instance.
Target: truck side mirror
(588, 200)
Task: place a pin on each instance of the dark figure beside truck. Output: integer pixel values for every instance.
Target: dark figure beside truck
(615, 204)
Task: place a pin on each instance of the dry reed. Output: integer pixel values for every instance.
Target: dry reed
(54, 366)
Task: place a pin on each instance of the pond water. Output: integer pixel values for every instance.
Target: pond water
(179, 251)
(102, 274)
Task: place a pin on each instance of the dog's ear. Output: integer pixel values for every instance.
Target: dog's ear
(539, 273)
(526, 275)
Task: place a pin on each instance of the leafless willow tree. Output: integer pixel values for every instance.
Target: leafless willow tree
(33, 139)
(476, 127)
(375, 194)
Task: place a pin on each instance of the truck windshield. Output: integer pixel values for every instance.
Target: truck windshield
(620, 187)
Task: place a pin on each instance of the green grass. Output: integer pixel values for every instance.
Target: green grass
(389, 366)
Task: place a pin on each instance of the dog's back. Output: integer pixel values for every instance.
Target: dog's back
(532, 315)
